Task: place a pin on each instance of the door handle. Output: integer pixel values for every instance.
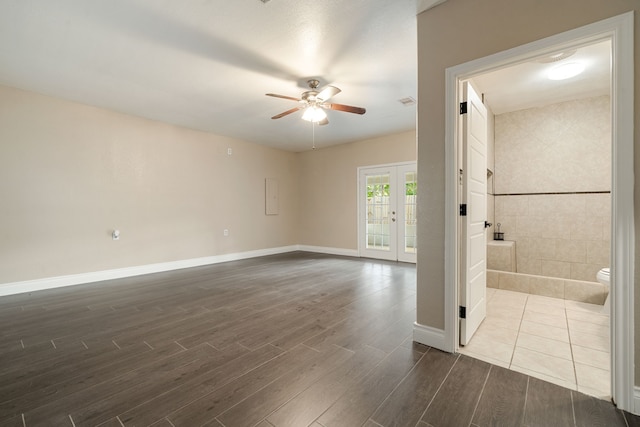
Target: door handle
(487, 224)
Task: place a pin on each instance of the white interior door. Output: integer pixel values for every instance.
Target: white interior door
(387, 214)
(473, 274)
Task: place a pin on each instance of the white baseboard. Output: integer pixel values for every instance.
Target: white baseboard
(119, 273)
(329, 251)
(636, 401)
(429, 336)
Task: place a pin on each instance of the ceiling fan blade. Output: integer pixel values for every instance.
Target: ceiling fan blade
(347, 108)
(282, 96)
(323, 122)
(327, 92)
(293, 110)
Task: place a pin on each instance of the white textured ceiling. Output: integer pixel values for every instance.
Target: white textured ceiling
(207, 64)
(526, 85)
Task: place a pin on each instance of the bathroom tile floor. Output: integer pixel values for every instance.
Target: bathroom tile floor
(560, 341)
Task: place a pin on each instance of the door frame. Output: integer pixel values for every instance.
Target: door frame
(620, 31)
(360, 207)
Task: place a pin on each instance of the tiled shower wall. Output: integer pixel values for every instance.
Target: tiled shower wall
(564, 149)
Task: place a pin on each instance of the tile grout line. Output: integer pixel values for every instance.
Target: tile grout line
(71, 419)
(573, 360)
(114, 343)
(169, 421)
(515, 344)
(475, 408)
(401, 381)
(526, 397)
(120, 421)
(439, 387)
(24, 423)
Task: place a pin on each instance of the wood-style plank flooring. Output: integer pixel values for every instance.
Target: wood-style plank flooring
(289, 340)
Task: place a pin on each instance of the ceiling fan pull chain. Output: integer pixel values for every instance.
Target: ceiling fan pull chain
(313, 135)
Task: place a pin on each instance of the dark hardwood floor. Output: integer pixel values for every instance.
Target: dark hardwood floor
(289, 340)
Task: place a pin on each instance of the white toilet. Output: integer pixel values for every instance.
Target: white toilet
(604, 278)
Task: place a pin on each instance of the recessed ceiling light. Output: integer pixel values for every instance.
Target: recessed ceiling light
(558, 56)
(565, 71)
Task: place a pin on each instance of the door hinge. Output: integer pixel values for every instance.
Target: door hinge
(463, 312)
(463, 209)
(463, 108)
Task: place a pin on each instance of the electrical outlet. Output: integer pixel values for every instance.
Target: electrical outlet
(225, 233)
(115, 235)
(229, 151)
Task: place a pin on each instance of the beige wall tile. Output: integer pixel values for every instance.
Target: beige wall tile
(598, 252)
(587, 227)
(571, 250)
(514, 282)
(541, 248)
(507, 226)
(535, 149)
(556, 269)
(592, 293)
(530, 226)
(547, 286)
(556, 204)
(598, 204)
(501, 256)
(586, 272)
(515, 205)
(492, 279)
(528, 265)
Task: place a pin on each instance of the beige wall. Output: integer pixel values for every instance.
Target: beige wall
(328, 186)
(458, 31)
(70, 173)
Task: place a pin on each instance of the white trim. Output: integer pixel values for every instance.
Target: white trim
(619, 30)
(428, 336)
(329, 251)
(120, 273)
(636, 399)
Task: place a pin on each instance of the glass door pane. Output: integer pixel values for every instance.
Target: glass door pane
(410, 204)
(377, 212)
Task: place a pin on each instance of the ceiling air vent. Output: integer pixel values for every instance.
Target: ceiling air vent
(407, 101)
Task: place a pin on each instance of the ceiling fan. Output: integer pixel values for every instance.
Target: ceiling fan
(314, 102)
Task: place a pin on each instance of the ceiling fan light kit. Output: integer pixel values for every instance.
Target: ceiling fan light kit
(314, 102)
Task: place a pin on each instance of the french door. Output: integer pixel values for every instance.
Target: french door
(387, 212)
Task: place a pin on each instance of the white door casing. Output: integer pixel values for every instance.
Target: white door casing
(620, 30)
(473, 260)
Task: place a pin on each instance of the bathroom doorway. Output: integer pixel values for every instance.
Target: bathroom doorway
(548, 185)
(621, 248)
